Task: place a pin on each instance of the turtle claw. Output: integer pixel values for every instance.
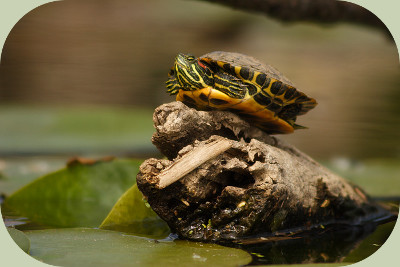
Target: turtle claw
(172, 91)
(173, 86)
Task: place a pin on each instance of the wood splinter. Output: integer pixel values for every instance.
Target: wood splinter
(192, 160)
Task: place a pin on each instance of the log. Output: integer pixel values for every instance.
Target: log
(319, 11)
(247, 182)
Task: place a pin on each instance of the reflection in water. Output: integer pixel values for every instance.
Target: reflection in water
(336, 244)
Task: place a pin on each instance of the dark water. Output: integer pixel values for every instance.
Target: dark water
(328, 244)
(335, 243)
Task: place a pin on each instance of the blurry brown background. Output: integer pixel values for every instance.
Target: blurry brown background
(118, 53)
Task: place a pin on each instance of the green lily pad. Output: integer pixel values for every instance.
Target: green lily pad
(20, 171)
(371, 243)
(20, 239)
(93, 247)
(131, 215)
(80, 195)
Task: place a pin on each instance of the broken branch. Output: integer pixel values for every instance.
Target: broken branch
(192, 160)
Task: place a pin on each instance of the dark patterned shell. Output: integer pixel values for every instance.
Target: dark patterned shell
(240, 60)
(269, 101)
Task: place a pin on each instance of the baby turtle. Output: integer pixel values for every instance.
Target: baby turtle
(257, 92)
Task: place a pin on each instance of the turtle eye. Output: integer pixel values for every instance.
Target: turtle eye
(190, 57)
(171, 72)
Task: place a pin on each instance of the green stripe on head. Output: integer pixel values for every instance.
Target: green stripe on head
(192, 74)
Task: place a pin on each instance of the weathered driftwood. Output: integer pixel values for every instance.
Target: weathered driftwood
(322, 11)
(254, 183)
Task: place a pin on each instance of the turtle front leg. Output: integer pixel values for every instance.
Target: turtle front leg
(173, 86)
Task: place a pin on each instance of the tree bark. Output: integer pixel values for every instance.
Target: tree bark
(255, 184)
(321, 11)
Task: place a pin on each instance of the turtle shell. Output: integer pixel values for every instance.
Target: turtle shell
(240, 60)
(270, 101)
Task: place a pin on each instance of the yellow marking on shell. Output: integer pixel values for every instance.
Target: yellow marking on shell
(260, 115)
(268, 89)
(237, 71)
(195, 96)
(265, 118)
(244, 105)
(285, 100)
(253, 80)
(216, 94)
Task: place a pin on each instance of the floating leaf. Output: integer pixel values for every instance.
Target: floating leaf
(20, 239)
(80, 195)
(371, 243)
(93, 247)
(20, 171)
(130, 214)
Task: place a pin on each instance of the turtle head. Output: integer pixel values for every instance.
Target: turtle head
(191, 73)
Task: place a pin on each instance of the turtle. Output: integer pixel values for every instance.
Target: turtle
(241, 84)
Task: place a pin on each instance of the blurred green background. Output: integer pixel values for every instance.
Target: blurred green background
(82, 77)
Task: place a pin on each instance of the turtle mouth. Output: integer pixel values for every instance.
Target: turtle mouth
(181, 66)
(184, 61)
